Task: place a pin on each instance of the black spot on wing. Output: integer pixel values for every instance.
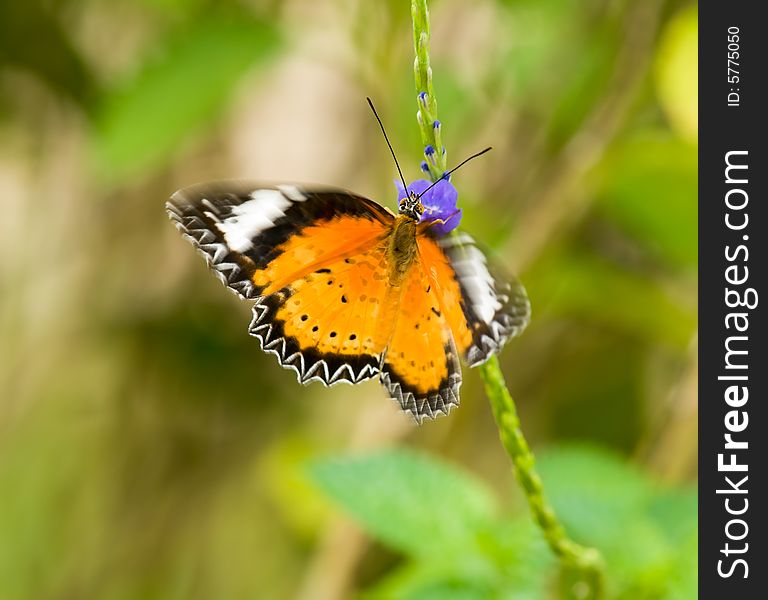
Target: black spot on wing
(494, 304)
(308, 363)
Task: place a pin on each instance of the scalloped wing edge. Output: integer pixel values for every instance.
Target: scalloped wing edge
(307, 370)
(195, 231)
(505, 326)
(420, 409)
(513, 313)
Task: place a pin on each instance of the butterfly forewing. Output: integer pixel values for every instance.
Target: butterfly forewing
(312, 259)
(241, 227)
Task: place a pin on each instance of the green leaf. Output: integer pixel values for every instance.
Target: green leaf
(593, 491)
(421, 582)
(180, 89)
(448, 590)
(524, 562)
(684, 577)
(644, 531)
(516, 565)
(676, 512)
(409, 501)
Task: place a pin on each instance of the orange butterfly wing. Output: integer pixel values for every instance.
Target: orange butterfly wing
(314, 261)
(333, 323)
(256, 238)
(484, 307)
(421, 367)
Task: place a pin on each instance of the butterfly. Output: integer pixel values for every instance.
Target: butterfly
(345, 290)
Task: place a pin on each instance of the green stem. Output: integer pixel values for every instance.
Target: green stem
(429, 125)
(582, 567)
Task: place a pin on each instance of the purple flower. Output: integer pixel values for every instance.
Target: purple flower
(439, 203)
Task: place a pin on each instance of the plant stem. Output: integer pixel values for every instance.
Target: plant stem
(429, 125)
(582, 567)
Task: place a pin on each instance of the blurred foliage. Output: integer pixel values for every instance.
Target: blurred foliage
(642, 175)
(399, 497)
(148, 449)
(33, 39)
(147, 117)
(677, 72)
(459, 547)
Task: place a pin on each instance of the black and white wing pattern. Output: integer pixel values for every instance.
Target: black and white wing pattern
(495, 305)
(240, 226)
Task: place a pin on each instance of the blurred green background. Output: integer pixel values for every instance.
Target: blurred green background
(148, 449)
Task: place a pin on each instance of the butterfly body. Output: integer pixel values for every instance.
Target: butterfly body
(345, 290)
(401, 248)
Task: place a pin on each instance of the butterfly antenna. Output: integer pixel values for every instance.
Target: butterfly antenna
(456, 168)
(375, 114)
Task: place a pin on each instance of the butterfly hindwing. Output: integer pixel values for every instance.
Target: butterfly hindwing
(242, 228)
(421, 367)
(484, 307)
(333, 324)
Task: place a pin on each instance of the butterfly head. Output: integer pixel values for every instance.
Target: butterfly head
(411, 206)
